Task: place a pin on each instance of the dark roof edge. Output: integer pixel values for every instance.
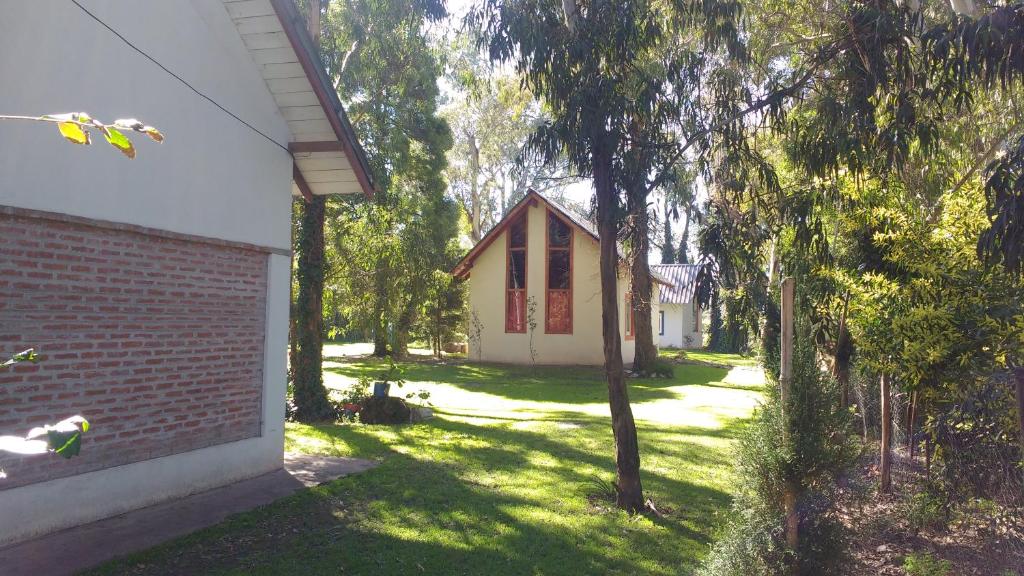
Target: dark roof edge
(295, 28)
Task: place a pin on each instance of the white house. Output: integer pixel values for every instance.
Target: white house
(156, 289)
(540, 266)
(678, 321)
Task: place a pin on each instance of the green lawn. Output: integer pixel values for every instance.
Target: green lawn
(501, 482)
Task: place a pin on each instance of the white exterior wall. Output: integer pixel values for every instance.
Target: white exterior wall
(487, 299)
(679, 324)
(212, 177)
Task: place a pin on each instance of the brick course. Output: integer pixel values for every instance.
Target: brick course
(156, 340)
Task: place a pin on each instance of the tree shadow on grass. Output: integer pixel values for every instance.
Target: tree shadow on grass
(452, 497)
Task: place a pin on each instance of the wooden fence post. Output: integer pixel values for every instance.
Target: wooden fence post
(785, 379)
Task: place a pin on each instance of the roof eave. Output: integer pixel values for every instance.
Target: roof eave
(307, 53)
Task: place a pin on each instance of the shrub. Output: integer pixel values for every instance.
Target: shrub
(820, 451)
(924, 564)
(662, 369)
(384, 410)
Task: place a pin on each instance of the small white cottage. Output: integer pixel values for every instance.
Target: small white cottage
(535, 292)
(156, 289)
(678, 322)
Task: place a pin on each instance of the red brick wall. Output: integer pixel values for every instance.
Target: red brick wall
(157, 341)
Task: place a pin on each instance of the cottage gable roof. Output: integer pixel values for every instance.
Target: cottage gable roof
(328, 158)
(682, 282)
(532, 198)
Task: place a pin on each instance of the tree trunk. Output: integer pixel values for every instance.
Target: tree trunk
(716, 341)
(683, 256)
(646, 353)
(629, 491)
(841, 364)
(911, 416)
(668, 253)
(1019, 377)
(885, 461)
(402, 329)
(380, 316)
(474, 189)
(311, 402)
(770, 324)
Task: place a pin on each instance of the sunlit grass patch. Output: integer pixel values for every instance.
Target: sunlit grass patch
(497, 483)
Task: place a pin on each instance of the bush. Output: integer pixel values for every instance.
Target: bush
(924, 564)
(384, 410)
(820, 451)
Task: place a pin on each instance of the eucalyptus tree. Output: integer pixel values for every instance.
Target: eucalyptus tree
(491, 116)
(605, 70)
(306, 328)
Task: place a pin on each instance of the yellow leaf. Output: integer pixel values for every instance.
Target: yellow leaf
(73, 133)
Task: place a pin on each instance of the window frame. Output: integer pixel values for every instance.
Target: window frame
(549, 213)
(510, 328)
(661, 322)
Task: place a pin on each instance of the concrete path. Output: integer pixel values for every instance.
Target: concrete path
(70, 551)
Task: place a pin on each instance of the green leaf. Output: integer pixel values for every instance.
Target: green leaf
(73, 133)
(121, 142)
(65, 443)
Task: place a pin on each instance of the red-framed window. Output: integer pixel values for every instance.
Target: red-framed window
(630, 317)
(515, 276)
(558, 276)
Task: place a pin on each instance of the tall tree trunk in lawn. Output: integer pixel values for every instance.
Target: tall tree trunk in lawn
(311, 402)
(885, 460)
(310, 395)
(402, 328)
(629, 492)
(646, 353)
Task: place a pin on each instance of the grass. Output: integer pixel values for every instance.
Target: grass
(503, 481)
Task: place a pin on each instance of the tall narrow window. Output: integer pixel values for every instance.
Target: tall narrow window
(630, 315)
(661, 322)
(558, 296)
(515, 276)
(696, 317)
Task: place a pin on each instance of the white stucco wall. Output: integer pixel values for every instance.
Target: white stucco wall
(212, 177)
(679, 323)
(487, 299)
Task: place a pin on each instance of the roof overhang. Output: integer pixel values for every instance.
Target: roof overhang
(532, 198)
(328, 158)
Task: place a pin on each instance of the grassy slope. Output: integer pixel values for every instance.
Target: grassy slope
(497, 484)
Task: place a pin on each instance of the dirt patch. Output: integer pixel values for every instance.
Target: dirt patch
(882, 536)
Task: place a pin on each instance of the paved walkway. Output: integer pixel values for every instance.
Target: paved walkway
(70, 551)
